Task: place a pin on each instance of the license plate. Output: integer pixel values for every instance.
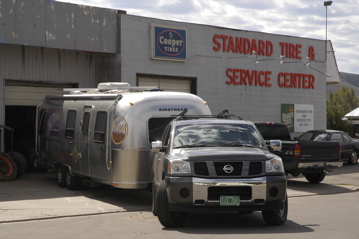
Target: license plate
(229, 201)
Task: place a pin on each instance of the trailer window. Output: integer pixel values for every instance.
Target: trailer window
(70, 124)
(100, 127)
(156, 127)
(85, 123)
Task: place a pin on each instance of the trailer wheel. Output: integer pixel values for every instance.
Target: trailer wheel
(315, 177)
(278, 217)
(21, 163)
(167, 218)
(61, 175)
(72, 182)
(8, 168)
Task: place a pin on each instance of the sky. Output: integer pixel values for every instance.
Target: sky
(301, 18)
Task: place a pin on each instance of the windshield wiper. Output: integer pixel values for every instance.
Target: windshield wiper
(192, 146)
(236, 145)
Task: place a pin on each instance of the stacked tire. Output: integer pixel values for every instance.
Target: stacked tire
(12, 165)
(8, 167)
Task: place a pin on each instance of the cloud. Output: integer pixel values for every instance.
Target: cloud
(302, 18)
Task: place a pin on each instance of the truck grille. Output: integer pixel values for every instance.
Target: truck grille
(228, 169)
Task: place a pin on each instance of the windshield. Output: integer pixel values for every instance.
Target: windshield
(314, 136)
(213, 135)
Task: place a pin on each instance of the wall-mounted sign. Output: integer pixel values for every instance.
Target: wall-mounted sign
(169, 43)
(297, 117)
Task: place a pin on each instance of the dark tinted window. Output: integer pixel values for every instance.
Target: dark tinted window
(85, 123)
(156, 127)
(100, 127)
(70, 124)
(274, 131)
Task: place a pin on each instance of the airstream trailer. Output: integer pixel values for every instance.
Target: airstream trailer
(103, 135)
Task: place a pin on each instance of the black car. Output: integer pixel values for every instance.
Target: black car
(349, 146)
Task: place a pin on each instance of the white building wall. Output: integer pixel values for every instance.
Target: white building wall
(257, 103)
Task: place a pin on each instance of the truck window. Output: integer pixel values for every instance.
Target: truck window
(85, 123)
(100, 127)
(70, 124)
(274, 131)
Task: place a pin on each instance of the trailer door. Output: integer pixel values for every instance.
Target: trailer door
(85, 139)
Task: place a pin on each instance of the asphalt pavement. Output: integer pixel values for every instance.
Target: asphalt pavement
(36, 196)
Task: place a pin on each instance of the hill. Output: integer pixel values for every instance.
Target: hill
(348, 80)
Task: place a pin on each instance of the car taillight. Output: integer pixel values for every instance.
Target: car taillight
(296, 151)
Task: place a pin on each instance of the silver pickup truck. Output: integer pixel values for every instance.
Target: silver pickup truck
(216, 164)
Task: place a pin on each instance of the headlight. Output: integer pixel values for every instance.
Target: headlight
(178, 167)
(274, 166)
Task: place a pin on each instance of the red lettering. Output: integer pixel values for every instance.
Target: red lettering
(261, 47)
(248, 77)
(269, 48)
(230, 45)
(216, 42)
(295, 80)
(246, 46)
(239, 45)
(228, 74)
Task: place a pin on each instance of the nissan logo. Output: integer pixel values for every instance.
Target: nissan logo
(228, 168)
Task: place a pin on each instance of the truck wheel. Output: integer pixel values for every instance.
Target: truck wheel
(353, 158)
(61, 175)
(72, 182)
(8, 168)
(21, 163)
(315, 177)
(278, 217)
(167, 218)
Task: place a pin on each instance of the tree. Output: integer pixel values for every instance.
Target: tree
(339, 104)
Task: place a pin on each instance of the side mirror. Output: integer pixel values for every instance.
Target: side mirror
(276, 144)
(156, 146)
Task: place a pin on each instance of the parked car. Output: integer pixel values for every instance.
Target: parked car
(349, 146)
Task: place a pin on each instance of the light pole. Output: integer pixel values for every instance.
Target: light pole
(326, 4)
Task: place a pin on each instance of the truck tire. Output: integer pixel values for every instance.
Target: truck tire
(315, 177)
(72, 182)
(278, 217)
(61, 175)
(353, 158)
(154, 209)
(8, 168)
(21, 163)
(167, 219)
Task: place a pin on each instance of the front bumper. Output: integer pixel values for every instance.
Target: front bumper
(193, 194)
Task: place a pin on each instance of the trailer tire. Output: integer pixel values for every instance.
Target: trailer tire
(72, 182)
(8, 168)
(166, 217)
(61, 176)
(21, 163)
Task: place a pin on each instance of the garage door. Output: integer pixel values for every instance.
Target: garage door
(30, 94)
(178, 85)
